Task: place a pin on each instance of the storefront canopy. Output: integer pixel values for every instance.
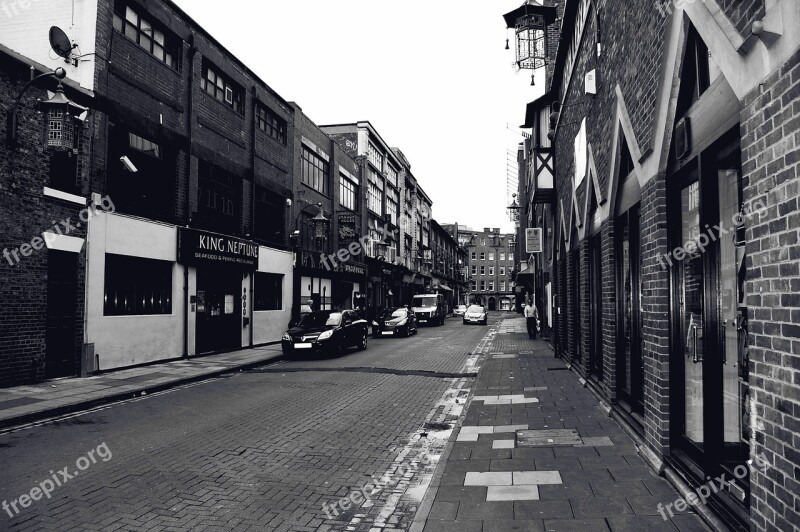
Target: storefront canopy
(443, 287)
(527, 278)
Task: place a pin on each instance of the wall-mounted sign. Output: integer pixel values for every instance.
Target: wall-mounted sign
(197, 247)
(347, 228)
(533, 240)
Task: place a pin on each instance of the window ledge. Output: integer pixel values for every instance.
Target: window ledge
(66, 196)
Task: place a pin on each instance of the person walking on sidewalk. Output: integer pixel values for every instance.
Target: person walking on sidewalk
(531, 316)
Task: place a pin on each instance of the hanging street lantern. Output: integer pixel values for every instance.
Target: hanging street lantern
(513, 210)
(60, 115)
(530, 22)
(320, 225)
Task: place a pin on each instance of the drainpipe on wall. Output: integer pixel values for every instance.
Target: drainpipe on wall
(187, 202)
(253, 209)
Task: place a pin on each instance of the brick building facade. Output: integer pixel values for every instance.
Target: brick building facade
(675, 256)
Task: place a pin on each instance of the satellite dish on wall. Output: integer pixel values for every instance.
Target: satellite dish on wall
(60, 43)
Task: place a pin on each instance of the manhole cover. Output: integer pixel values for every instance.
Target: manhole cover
(548, 438)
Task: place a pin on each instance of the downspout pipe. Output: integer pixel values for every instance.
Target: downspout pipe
(187, 202)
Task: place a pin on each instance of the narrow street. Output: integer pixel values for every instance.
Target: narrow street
(260, 449)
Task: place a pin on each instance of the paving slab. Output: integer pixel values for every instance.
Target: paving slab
(567, 466)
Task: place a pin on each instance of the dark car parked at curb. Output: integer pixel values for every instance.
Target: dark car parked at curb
(326, 332)
(476, 314)
(394, 322)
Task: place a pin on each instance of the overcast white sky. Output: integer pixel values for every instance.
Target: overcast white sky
(433, 77)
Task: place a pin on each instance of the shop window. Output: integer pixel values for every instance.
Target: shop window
(150, 190)
(135, 286)
(133, 23)
(315, 171)
(222, 88)
(218, 202)
(271, 124)
(268, 291)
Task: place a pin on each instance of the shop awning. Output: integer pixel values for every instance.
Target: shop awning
(527, 277)
(445, 288)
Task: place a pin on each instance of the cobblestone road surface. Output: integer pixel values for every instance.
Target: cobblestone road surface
(258, 450)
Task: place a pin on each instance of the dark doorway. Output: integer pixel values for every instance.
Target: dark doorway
(630, 369)
(596, 307)
(61, 347)
(219, 321)
(492, 304)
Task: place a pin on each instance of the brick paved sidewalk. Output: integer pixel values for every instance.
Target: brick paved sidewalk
(23, 404)
(535, 452)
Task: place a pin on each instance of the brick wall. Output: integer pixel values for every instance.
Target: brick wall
(742, 13)
(655, 313)
(771, 166)
(24, 172)
(609, 317)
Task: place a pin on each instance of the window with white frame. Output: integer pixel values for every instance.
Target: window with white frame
(483, 270)
(315, 171)
(491, 286)
(474, 270)
(502, 270)
(348, 193)
(502, 257)
(474, 286)
(392, 204)
(491, 270)
(374, 198)
(483, 286)
(483, 255)
(483, 241)
(391, 174)
(474, 255)
(502, 286)
(375, 156)
(491, 255)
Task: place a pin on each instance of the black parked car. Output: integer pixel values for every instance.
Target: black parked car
(326, 332)
(394, 322)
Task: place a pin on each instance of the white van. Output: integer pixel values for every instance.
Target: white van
(429, 308)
